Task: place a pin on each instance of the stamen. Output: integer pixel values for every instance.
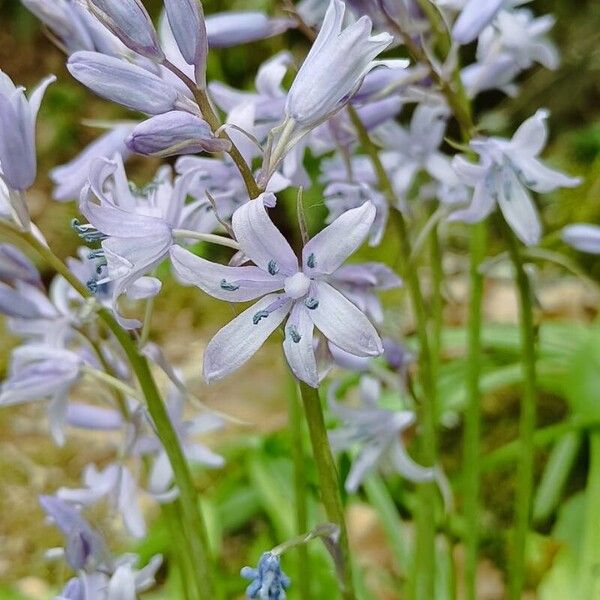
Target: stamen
(311, 303)
(261, 314)
(230, 287)
(312, 261)
(96, 254)
(273, 267)
(87, 232)
(92, 285)
(296, 337)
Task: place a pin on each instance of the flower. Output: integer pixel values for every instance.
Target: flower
(474, 18)
(330, 75)
(304, 293)
(18, 115)
(378, 433)
(583, 237)
(116, 483)
(507, 169)
(233, 28)
(269, 582)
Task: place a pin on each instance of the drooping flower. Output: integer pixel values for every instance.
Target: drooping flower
(583, 237)
(269, 582)
(114, 483)
(234, 28)
(285, 288)
(377, 432)
(506, 170)
(330, 75)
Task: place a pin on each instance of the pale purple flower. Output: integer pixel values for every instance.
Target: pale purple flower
(304, 293)
(69, 179)
(341, 197)
(234, 28)
(115, 484)
(172, 133)
(128, 84)
(474, 18)
(131, 23)
(583, 237)
(330, 75)
(39, 371)
(137, 226)
(18, 163)
(377, 433)
(505, 172)
(515, 43)
(15, 266)
(360, 284)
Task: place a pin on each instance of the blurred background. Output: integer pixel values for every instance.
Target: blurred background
(30, 465)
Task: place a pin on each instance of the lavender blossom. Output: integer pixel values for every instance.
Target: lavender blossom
(507, 169)
(474, 18)
(15, 267)
(377, 432)
(304, 293)
(331, 73)
(269, 582)
(172, 133)
(235, 28)
(583, 237)
(116, 484)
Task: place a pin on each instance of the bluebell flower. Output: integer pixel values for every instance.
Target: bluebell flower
(582, 236)
(269, 582)
(234, 28)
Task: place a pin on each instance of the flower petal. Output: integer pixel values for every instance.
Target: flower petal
(235, 344)
(583, 237)
(260, 240)
(298, 345)
(344, 324)
(532, 135)
(234, 284)
(329, 249)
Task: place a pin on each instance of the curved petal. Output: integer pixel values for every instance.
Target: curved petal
(330, 248)
(518, 208)
(540, 178)
(344, 324)
(235, 344)
(532, 135)
(362, 466)
(481, 206)
(298, 345)
(260, 240)
(583, 237)
(234, 284)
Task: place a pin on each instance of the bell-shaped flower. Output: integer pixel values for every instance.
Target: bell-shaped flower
(583, 237)
(128, 84)
(137, 226)
(234, 28)
(39, 371)
(69, 179)
(114, 483)
(377, 433)
(131, 23)
(172, 133)
(506, 171)
(15, 266)
(18, 162)
(330, 75)
(301, 293)
(268, 580)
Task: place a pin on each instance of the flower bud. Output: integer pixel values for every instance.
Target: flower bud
(233, 28)
(131, 23)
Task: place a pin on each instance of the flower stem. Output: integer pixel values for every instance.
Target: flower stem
(198, 544)
(524, 492)
(300, 487)
(328, 479)
(472, 425)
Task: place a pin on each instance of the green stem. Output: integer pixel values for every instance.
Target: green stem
(300, 488)
(328, 480)
(472, 426)
(524, 492)
(187, 493)
(589, 579)
(423, 583)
